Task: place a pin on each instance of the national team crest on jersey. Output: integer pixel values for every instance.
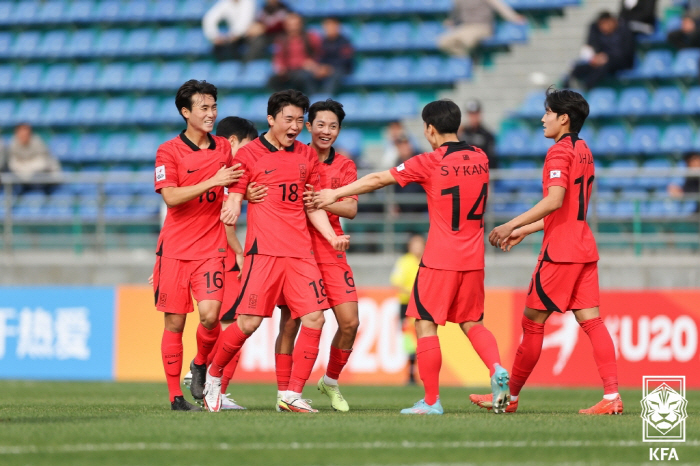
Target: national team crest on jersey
(335, 183)
(302, 171)
(252, 301)
(163, 299)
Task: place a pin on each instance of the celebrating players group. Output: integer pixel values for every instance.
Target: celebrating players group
(294, 251)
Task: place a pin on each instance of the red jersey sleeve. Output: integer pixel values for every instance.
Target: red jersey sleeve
(414, 170)
(166, 170)
(556, 168)
(314, 177)
(349, 176)
(242, 157)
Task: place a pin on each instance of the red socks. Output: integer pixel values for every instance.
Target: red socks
(304, 357)
(485, 345)
(603, 352)
(206, 339)
(171, 351)
(213, 351)
(527, 355)
(283, 369)
(336, 362)
(229, 370)
(231, 342)
(429, 362)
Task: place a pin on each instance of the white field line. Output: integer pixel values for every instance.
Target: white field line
(142, 446)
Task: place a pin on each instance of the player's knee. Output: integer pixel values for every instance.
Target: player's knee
(291, 327)
(349, 327)
(249, 325)
(314, 320)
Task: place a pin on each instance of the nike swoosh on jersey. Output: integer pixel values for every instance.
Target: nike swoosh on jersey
(319, 301)
(349, 291)
(192, 171)
(267, 172)
(212, 291)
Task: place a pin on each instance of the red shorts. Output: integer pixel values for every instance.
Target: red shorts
(266, 278)
(175, 281)
(232, 287)
(337, 284)
(447, 296)
(563, 286)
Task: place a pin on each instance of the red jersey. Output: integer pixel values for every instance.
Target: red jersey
(456, 180)
(192, 230)
(277, 227)
(337, 170)
(567, 236)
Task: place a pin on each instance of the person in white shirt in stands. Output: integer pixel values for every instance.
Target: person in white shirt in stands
(27, 156)
(238, 16)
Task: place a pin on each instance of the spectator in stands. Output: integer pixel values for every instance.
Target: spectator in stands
(336, 59)
(268, 25)
(27, 156)
(395, 131)
(639, 15)
(609, 49)
(687, 36)
(238, 16)
(296, 57)
(691, 185)
(472, 21)
(474, 133)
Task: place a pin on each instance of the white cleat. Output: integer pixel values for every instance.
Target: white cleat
(229, 403)
(277, 405)
(296, 405)
(187, 381)
(212, 393)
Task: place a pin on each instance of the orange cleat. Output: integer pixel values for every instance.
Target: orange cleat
(605, 407)
(485, 401)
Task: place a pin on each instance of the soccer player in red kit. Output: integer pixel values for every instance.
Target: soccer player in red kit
(191, 172)
(450, 282)
(278, 249)
(338, 285)
(566, 275)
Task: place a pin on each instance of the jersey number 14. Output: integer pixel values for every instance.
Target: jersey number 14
(480, 204)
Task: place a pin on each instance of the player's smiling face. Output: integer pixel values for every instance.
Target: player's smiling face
(203, 113)
(553, 124)
(324, 129)
(286, 125)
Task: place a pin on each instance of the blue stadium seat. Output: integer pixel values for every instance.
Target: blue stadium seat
(59, 207)
(520, 184)
(57, 112)
(7, 107)
(135, 10)
(651, 167)
(5, 43)
(28, 78)
(256, 73)
(507, 33)
(201, 70)
(514, 142)
(54, 44)
(256, 108)
(166, 42)
(350, 140)
(194, 41)
(110, 42)
(666, 101)
(113, 76)
(458, 68)
(141, 77)
(167, 112)
(26, 12)
(402, 105)
(691, 103)
(370, 37)
(145, 110)
(79, 11)
(231, 105)
(116, 146)
(61, 146)
(56, 77)
(26, 44)
(427, 34)
(398, 35)
(6, 74)
(677, 138)
(532, 106)
(85, 111)
(88, 205)
(188, 9)
(51, 11)
(6, 13)
(107, 11)
(114, 111)
(539, 144)
(644, 140)
(602, 101)
(369, 71)
(29, 110)
(81, 43)
(373, 106)
(29, 206)
(227, 74)
(145, 146)
(138, 42)
(145, 206)
(610, 181)
(430, 70)
(84, 77)
(686, 63)
(117, 206)
(610, 140)
(633, 101)
(169, 75)
(430, 6)
(163, 10)
(655, 64)
(87, 147)
(398, 70)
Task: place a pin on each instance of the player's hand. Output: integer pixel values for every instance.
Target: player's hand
(239, 260)
(324, 198)
(229, 216)
(341, 242)
(256, 194)
(150, 280)
(500, 233)
(227, 176)
(513, 239)
(309, 197)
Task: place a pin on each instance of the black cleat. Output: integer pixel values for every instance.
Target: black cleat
(181, 404)
(199, 376)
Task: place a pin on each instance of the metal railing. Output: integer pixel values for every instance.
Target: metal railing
(385, 220)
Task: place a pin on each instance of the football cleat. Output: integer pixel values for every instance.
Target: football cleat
(484, 401)
(229, 403)
(333, 392)
(198, 377)
(500, 393)
(421, 407)
(277, 406)
(187, 381)
(296, 405)
(181, 404)
(212, 393)
(605, 407)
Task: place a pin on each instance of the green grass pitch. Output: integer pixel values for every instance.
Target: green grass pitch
(49, 423)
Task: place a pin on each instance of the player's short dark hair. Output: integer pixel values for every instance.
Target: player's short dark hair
(568, 102)
(444, 115)
(328, 105)
(281, 99)
(183, 98)
(236, 126)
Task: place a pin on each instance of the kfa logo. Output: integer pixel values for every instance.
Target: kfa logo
(335, 183)
(664, 408)
(252, 301)
(302, 172)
